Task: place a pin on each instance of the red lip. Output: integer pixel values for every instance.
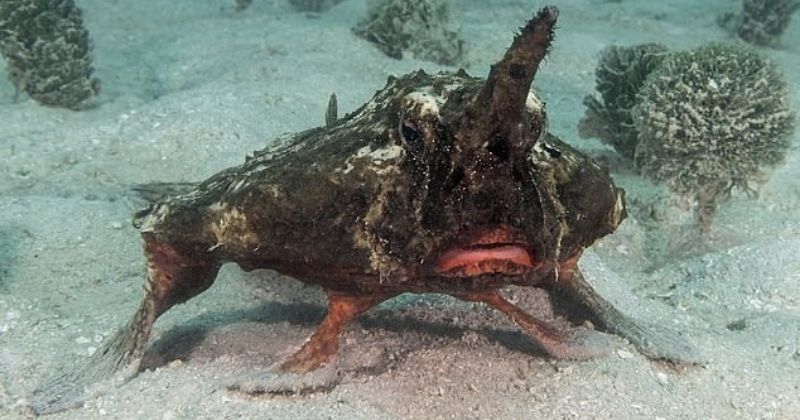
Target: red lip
(481, 260)
(493, 250)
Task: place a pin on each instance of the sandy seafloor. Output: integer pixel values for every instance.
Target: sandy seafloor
(191, 87)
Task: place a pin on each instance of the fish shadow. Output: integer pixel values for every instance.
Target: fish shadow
(184, 342)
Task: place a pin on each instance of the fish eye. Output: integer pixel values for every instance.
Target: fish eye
(551, 151)
(409, 132)
(539, 128)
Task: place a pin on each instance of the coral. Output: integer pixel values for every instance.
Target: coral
(47, 51)
(316, 6)
(762, 22)
(418, 27)
(620, 74)
(711, 119)
(242, 5)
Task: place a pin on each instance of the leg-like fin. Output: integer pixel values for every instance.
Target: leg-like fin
(172, 278)
(581, 344)
(653, 341)
(311, 368)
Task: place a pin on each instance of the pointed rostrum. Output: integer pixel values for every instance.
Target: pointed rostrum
(502, 98)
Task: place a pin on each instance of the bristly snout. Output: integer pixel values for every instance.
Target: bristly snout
(498, 110)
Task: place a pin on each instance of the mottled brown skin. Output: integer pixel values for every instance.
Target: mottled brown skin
(440, 183)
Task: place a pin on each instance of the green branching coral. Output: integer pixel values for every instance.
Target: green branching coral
(242, 5)
(47, 51)
(316, 6)
(711, 119)
(620, 74)
(762, 22)
(418, 27)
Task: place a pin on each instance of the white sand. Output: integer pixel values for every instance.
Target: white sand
(190, 87)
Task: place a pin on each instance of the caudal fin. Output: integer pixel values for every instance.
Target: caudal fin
(116, 362)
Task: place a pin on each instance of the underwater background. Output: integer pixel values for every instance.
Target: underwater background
(181, 90)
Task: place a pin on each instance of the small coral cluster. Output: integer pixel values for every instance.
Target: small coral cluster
(47, 51)
(620, 73)
(704, 121)
(761, 22)
(709, 120)
(315, 6)
(242, 5)
(420, 28)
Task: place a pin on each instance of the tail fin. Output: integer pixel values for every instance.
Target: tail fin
(116, 362)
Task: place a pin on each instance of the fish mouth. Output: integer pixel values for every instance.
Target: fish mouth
(496, 250)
